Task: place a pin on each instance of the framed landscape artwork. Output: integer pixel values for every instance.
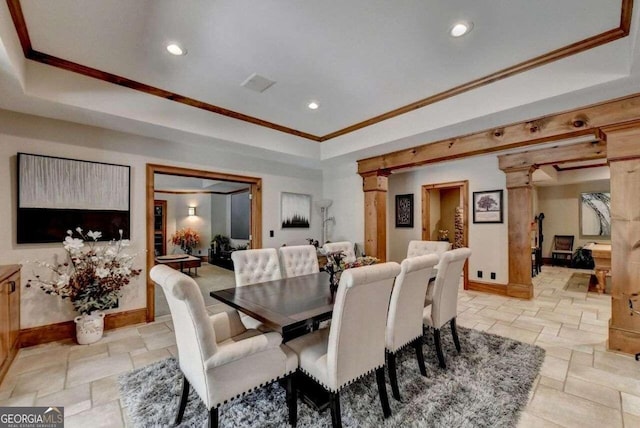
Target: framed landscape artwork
(58, 194)
(295, 210)
(487, 206)
(595, 214)
(404, 210)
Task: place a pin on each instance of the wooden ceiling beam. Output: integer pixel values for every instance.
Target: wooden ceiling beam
(553, 155)
(560, 126)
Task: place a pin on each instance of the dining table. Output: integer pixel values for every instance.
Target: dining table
(291, 306)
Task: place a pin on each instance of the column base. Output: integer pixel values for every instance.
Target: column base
(521, 291)
(622, 340)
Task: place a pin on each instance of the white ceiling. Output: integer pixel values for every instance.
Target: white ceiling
(358, 59)
(176, 183)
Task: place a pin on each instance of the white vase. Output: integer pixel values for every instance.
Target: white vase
(89, 327)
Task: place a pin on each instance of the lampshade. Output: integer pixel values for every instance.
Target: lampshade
(324, 203)
(192, 211)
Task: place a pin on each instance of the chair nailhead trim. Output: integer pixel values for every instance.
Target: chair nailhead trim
(269, 382)
(341, 386)
(400, 348)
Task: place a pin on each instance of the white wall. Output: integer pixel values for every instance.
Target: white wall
(201, 222)
(488, 242)
(560, 205)
(30, 134)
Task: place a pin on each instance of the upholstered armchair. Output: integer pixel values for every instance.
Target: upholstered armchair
(404, 321)
(345, 246)
(444, 307)
(218, 356)
(354, 344)
(251, 267)
(298, 260)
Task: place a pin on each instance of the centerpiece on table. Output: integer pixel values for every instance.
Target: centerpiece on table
(92, 278)
(336, 265)
(186, 238)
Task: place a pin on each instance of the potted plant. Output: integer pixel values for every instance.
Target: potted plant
(186, 239)
(92, 278)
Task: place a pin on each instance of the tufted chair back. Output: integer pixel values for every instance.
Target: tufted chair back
(445, 294)
(357, 332)
(298, 260)
(344, 246)
(404, 323)
(195, 337)
(252, 266)
(421, 248)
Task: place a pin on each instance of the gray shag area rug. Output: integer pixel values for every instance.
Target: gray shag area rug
(487, 385)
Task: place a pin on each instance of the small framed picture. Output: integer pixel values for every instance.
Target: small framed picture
(295, 210)
(404, 210)
(487, 206)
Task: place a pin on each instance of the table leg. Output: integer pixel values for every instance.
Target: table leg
(601, 275)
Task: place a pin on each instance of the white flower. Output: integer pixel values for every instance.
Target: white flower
(102, 272)
(125, 242)
(63, 280)
(71, 244)
(79, 229)
(94, 235)
(69, 232)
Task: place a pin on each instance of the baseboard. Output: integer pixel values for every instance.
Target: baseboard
(67, 329)
(488, 287)
(623, 340)
(521, 291)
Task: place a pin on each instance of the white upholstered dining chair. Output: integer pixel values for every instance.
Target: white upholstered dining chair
(251, 267)
(422, 248)
(404, 321)
(345, 246)
(354, 344)
(298, 260)
(218, 356)
(444, 307)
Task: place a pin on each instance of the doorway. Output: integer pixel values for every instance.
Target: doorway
(445, 211)
(254, 185)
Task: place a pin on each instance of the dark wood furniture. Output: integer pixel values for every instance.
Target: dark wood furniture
(160, 227)
(181, 263)
(562, 249)
(9, 315)
(221, 258)
(287, 305)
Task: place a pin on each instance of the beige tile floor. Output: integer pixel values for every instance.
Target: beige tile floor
(580, 384)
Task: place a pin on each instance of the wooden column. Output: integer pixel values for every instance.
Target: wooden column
(520, 209)
(375, 187)
(623, 153)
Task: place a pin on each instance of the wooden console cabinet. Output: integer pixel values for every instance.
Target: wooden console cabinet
(9, 315)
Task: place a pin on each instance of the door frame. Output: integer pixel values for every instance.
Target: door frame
(255, 239)
(463, 187)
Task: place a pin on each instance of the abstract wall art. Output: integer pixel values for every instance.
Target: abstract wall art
(58, 194)
(404, 210)
(295, 210)
(595, 214)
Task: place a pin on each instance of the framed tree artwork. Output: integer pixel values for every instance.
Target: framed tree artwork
(487, 206)
(404, 210)
(295, 210)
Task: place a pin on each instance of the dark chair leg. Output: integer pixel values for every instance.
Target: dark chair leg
(213, 417)
(454, 332)
(436, 337)
(334, 403)
(292, 400)
(183, 400)
(393, 378)
(417, 344)
(382, 390)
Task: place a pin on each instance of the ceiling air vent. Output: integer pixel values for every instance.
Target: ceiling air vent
(257, 83)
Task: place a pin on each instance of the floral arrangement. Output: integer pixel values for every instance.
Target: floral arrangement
(336, 265)
(443, 235)
(186, 238)
(93, 276)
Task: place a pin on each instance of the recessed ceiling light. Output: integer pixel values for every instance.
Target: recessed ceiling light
(175, 49)
(313, 105)
(460, 29)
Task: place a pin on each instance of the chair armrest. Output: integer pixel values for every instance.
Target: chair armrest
(227, 324)
(231, 351)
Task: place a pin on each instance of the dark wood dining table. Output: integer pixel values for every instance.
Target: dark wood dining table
(289, 305)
